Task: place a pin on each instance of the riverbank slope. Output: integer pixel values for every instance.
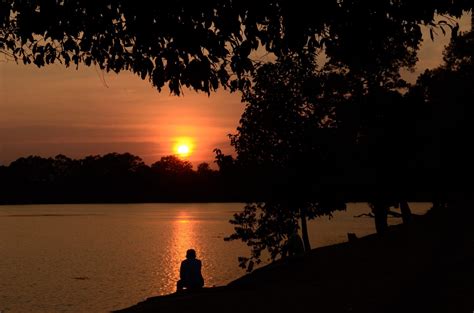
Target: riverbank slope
(427, 266)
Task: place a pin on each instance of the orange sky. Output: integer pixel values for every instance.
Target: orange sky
(55, 110)
(81, 112)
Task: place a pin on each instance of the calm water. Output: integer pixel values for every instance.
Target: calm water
(97, 258)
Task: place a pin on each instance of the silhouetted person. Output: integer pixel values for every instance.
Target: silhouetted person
(190, 272)
(406, 212)
(380, 210)
(351, 237)
(294, 245)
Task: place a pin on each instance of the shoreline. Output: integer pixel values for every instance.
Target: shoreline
(426, 266)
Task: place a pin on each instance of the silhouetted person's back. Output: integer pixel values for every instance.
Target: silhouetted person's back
(190, 272)
(294, 245)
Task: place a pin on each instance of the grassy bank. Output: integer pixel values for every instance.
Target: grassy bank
(427, 266)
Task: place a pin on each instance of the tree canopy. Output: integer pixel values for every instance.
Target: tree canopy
(209, 43)
(113, 177)
(448, 91)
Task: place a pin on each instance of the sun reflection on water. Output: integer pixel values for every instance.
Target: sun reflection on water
(183, 236)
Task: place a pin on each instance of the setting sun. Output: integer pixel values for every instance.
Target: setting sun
(183, 147)
(183, 150)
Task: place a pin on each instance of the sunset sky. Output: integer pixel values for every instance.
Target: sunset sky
(55, 110)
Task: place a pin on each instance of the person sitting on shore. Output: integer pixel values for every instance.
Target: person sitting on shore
(294, 245)
(190, 272)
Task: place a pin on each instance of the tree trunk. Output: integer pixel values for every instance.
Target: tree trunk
(380, 211)
(406, 212)
(472, 19)
(304, 231)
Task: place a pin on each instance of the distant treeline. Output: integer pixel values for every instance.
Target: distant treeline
(112, 178)
(118, 178)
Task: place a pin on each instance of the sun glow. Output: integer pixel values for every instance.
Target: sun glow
(183, 150)
(183, 147)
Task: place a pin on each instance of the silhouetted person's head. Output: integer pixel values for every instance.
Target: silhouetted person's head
(293, 230)
(191, 254)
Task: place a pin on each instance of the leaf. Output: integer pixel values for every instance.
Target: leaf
(39, 61)
(245, 48)
(442, 29)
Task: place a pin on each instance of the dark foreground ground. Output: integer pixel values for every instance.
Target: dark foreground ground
(427, 266)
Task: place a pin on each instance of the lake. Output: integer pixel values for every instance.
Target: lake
(101, 257)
